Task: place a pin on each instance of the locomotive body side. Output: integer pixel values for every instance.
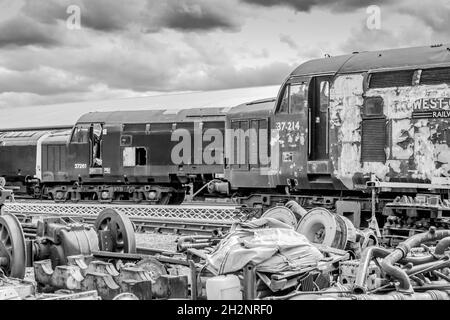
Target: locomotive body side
(396, 133)
(53, 158)
(141, 155)
(18, 153)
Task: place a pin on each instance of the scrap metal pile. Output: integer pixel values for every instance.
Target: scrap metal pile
(288, 253)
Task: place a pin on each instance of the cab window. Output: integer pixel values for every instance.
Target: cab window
(295, 99)
(284, 106)
(134, 156)
(80, 134)
(298, 97)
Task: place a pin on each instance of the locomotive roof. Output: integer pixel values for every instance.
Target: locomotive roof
(153, 116)
(20, 137)
(259, 107)
(405, 58)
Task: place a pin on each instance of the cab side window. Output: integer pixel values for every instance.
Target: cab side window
(284, 105)
(80, 134)
(324, 96)
(298, 98)
(295, 99)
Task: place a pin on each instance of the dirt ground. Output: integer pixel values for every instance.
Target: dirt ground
(156, 240)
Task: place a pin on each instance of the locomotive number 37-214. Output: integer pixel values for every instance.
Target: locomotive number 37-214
(287, 125)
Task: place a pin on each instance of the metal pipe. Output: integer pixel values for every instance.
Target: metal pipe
(338, 290)
(402, 251)
(185, 246)
(442, 246)
(294, 295)
(427, 267)
(428, 295)
(194, 283)
(3, 261)
(197, 242)
(435, 295)
(441, 275)
(193, 238)
(250, 291)
(418, 260)
(361, 274)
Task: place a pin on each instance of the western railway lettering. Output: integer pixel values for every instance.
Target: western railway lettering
(431, 108)
(432, 103)
(441, 114)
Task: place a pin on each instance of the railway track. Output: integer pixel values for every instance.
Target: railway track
(182, 220)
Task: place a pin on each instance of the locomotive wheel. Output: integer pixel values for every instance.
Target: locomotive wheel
(165, 199)
(155, 268)
(321, 226)
(12, 247)
(282, 214)
(177, 198)
(120, 228)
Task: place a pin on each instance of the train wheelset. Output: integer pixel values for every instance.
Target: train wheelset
(58, 237)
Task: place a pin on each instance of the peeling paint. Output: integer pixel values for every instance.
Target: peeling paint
(417, 150)
(345, 121)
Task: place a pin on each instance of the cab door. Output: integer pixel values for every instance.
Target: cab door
(78, 154)
(85, 150)
(291, 125)
(318, 114)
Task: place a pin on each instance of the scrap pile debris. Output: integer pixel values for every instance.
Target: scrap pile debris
(323, 256)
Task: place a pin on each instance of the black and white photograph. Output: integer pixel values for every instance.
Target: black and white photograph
(224, 158)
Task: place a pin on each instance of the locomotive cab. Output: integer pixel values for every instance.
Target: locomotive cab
(301, 121)
(85, 148)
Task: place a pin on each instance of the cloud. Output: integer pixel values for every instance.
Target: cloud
(434, 14)
(190, 15)
(145, 15)
(227, 77)
(43, 81)
(408, 23)
(289, 41)
(308, 5)
(139, 47)
(22, 31)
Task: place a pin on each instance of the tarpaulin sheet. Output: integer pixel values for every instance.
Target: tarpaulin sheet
(269, 244)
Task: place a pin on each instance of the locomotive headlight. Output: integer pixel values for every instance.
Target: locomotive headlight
(105, 195)
(152, 195)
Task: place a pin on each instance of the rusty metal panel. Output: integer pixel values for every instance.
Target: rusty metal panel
(346, 102)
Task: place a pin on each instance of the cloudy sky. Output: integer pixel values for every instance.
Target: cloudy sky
(145, 47)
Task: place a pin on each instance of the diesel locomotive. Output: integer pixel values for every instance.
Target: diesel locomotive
(339, 125)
